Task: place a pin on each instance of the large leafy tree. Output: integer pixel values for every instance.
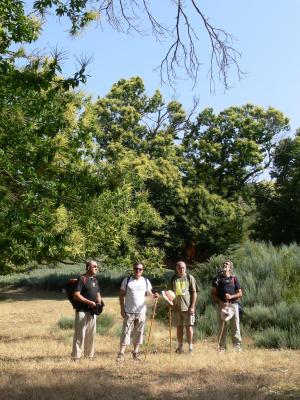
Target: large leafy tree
(226, 151)
(134, 137)
(222, 153)
(55, 203)
(278, 202)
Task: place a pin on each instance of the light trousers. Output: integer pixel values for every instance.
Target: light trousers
(84, 334)
(234, 325)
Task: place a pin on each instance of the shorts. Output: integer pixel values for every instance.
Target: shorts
(134, 323)
(183, 318)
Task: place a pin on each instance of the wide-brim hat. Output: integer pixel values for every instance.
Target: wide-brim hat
(227, 313)
(168, 295)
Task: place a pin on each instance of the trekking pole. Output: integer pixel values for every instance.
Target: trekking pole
(152, 319)
(170, 328)
(221, 334)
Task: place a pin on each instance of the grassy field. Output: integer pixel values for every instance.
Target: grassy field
(35, 361)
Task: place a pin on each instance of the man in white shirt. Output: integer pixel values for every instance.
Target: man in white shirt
(133, 309)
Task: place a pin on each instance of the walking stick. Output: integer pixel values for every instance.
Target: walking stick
(221, 334)
(152, 319)
(170, 328)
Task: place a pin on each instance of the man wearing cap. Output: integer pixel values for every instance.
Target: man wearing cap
(185, 288)
(226, 292)
(86, 297)
(133, 310)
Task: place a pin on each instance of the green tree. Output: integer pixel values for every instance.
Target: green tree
(278, 202)
(228, 150)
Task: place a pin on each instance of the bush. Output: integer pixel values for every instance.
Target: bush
(271, 338)
(206, 324)
(104, 323)
(260, 317)
(66, 323)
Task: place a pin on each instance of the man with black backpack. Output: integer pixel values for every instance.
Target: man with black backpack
(226, 292)
(185, 288)
(86, 303)
(133, 310)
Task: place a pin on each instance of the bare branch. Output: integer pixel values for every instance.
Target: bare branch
(129, 16)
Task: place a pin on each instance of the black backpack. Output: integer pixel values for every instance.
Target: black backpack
(70, 289)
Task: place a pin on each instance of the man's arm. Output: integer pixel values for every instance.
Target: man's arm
(78, 297)
(235, 296)
(122, 295)
(193, 303)
(99, 299)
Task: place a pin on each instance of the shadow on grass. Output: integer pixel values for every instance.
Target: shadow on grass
(89, 381)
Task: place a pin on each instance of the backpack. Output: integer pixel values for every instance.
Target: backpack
(70, 288)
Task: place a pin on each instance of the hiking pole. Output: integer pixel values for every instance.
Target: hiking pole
(221, 334)
(152, 319)
(170, 328)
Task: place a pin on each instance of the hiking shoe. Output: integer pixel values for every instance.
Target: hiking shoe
(237, 349)
(179, 350)
(221, 350)
(190, 351)
(120, 357)
(136, 356)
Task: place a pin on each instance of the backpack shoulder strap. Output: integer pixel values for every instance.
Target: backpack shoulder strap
(173, 280)
(127, 281)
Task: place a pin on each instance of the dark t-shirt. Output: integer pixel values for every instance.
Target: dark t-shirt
(88, 287)
(226, 284)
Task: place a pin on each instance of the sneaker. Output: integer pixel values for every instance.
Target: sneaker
(120, 357)
(237, 348)
(221, 350)
(179, 350)
(190, 351)
(136, 356)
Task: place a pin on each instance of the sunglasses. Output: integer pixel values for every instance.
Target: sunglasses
(138, 269)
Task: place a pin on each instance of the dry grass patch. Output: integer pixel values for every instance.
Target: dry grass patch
(35, 362)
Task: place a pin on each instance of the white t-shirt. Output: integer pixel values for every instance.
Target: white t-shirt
(135, 294)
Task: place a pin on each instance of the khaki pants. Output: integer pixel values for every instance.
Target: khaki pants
(234, 325)
(84, 334)
(135, 322)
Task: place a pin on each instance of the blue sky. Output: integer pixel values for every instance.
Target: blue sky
(267, 33)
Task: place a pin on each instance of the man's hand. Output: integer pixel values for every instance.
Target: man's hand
(191, 310)
(228, 296)
(92, 304)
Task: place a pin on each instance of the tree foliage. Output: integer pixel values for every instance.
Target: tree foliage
(125, 177)
(278, 202)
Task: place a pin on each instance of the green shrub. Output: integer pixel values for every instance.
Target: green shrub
(66, 323)
(206, 324)
(271, 338)
(104, 323)
(259, 317)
